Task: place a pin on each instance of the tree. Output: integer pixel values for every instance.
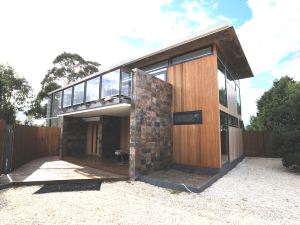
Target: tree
(14, 93)
(279, 111)
(66, 68)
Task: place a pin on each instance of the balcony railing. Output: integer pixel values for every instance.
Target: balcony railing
(117, 83)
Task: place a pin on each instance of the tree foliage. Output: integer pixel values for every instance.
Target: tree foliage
(66, 68)
(14, 93)
(279, 111)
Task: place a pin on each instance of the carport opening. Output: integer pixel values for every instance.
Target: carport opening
(103, 143)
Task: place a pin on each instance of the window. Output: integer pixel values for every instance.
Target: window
(67, 99)
(110, 84)
(125, 83)
(56, 103)
(224, 136)
(161, 75)
(241, 124)
(192, 55)
(232, 121)
(78, 94)
(92, 89)
(158, 70)
(222, 84)
(238, 100)
(155, 67)
(194, 117)
(230, 80)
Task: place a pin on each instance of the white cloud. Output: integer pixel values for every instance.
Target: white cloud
(35, 32)
(289, 67)
(272, 34)
(249, 95)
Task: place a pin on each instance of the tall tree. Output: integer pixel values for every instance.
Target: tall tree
(67, 68)
(14, 93)
(279, 111)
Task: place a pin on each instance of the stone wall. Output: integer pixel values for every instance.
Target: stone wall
(150, 125)
(73, 138)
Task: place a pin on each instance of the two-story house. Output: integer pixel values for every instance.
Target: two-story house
(180, 105)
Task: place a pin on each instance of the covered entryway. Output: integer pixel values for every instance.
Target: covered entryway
(98, 138)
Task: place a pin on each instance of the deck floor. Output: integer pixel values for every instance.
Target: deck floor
(53, 169)
(195, 180)
(107, 164)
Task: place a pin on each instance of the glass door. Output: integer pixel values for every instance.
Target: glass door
(224, 137)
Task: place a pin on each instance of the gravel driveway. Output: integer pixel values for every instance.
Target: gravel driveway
(258, 191)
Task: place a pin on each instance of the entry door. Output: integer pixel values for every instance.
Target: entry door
(94, 147)
(93, 139)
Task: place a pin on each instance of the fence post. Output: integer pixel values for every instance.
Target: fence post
(8, 148)
(2, 138)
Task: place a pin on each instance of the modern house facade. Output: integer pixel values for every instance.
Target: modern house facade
(178, 106)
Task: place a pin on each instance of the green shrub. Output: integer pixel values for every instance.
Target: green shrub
(292, 161)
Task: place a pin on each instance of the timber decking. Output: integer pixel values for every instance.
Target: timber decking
(52, 169)
(109, 165)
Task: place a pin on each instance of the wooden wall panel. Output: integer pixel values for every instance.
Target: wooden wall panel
(33, 142)
(195, 88)
(258, 143)
(235, 143)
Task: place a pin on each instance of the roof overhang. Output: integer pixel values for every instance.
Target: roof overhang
(122, 109)
(224, 37)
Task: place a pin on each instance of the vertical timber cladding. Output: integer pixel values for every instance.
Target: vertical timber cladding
(195, 87)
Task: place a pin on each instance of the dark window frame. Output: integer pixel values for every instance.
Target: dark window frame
(193, 58)
(197, 112)
(225, 79)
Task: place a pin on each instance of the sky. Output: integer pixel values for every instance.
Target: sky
(34, 32)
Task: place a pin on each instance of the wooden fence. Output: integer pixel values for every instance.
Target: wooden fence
(33, 142)
(20, 144)
(2, 133)
(258, 144)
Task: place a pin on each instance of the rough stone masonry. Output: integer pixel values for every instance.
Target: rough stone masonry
(150, 124)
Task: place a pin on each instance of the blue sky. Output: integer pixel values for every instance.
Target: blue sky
(37, 31)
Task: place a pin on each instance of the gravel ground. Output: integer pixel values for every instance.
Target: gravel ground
(258, 191)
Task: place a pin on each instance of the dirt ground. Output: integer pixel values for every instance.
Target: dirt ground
(257, 191)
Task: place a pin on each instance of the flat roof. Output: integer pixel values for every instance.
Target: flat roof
(223, 36)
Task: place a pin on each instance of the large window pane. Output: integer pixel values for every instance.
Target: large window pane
(183, 118)
(155, 67)
(192, 55)
(110, 84)
(224, 134)
(222, 84)
(238, 100)
(67, 100)
(230, 80)
(126, 83)
(161, 75)
(92, 89)
(56, 103)
(78, 94)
